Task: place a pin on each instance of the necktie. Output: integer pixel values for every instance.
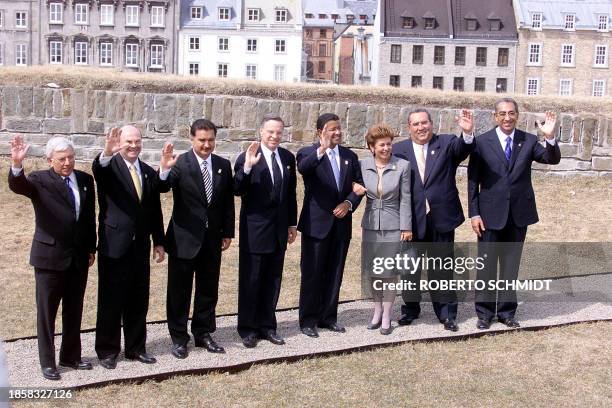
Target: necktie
(207, 181)
(278, 178)
(136, 181)
(71, 195)
(335, 169)
(421, 166)
(508, 149)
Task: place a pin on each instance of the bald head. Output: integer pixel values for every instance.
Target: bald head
(131, 143)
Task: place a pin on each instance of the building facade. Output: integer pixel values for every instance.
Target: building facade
(18, 32)
(564, 47)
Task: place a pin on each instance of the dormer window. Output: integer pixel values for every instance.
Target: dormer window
(536, 21)
(334, 16)
(322, 16)
(430, 23)
(494, 22)
(602, 22)
(196, 13)
(350, 18)
(224, 13)
(309, 15)
(471, 22)
(281, 15)
(570, 21)
(407, 22)
(253, 14)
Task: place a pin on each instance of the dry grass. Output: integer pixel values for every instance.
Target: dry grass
(110, 79)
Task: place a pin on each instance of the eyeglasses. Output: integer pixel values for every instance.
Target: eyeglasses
(511, 114)
(66, 159)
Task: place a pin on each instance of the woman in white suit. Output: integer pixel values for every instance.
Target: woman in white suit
(386, 220)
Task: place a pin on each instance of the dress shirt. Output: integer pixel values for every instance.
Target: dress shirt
(267, 154)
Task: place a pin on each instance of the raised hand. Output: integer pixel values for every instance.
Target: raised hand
(359, 189)
(113, 142)
(251, 157)
(548, 128)
(466, 121)
(19, 151)
(168, 158)
(325, 141)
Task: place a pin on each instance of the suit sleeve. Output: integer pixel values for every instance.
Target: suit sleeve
(241, 179)
(473, 183)
(90, 216)
(228, 221)
(292, 195)
(460, 150)
(356, 177)
(101, 174)
(307, 161)
(405, 211)
(157, 229)
(21, 184)
(551, 154)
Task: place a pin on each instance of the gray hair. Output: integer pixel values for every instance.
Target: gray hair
(58, 144)
(271, 116)
(507, 100)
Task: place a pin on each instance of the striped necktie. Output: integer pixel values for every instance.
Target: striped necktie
(207, 181)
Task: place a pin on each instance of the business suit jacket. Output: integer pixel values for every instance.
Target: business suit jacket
(497, 188)
(444, 154)
(391, 211)
(192, 213)
(321, 194)
(264, 220)
(59, 238)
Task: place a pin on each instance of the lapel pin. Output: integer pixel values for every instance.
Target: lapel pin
(519, 145)
(288, 167)
(145, 176)
(393, 167)
(433, 152)
(84, 188)
(219, 171)
(346, 162)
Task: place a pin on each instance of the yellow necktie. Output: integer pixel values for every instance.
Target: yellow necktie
(136, 181)
(421, 165)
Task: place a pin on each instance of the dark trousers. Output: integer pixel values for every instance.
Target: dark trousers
(259, 286)
(206, 266)
(435, 245)
(503, 247)
(322, 267)
(52, 287)
(123, 294)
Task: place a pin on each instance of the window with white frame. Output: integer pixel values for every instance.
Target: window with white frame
(196, 13)
(280, 46)
(533, 86)
(224, 14)
(279, 73)
(570, 21)
(194, 43)
(56, 13)
(536, 21)
(80, 53)
(107, 14)
(223, 44)
(106, 53)
(132, 15)
(131, 55)
(602, 22)
(601, 56)
(157, 16)
(565, 87)
(251, 71)
(194, 68)
(21, 54)
(599, 87)
(21, 19)
(55, 52)
(535, 54)
(222, 70)
(81, 13)
(281, 15)
(157, 56)
(252, 45)
(253, 14)
(567, 55)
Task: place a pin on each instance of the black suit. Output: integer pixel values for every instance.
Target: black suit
(436, 228)
(60, 256)
(126, 225)
(325, 238)
(265, 217)
(500, 192)
(193, 243)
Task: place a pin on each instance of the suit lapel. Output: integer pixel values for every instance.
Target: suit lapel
(82, 187)
(327, 167)
(343, 165)
(517, 144)
(216, 176)
(196, 173)
(493, 142)
(145, 181)
(264, 169)
(60, 185)
(412, 160)
(124, 175)
(285, 170)
(433, 151)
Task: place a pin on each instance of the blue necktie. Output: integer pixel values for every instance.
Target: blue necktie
(335, 169)
(71, 195)
(508, 149)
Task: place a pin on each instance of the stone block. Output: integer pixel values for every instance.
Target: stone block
(242, 134)
(313, 114)
(391, 117)
(165, 113)
(77, 99)
(583, 165)
(565, 164)
(84, 140)
(263, 108)
(589, 127)
(38, 102)
(568, 150)
(342, 112)
(111, 107)
(25, 105)
(99, 104)
(602, 163)
(356, 119)
(326, 107)
(285, 112)
(128, 114)
(217, 111)
(566, 124)
(138, 107)
(249, 113)
(602, 151)
(274, 107)
(95, 127)
(52, 126)
(374, 115)
(197, 107)
(28, 125)
(236, 112)
(10, 99)
(91, 102)
(66, 107)
(228, 106)
(447, 121)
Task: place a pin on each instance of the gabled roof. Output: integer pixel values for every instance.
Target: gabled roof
(554, 11)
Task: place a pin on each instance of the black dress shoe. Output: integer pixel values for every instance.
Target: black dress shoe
(273, 337)
(451, 325)
(483, 324)
(79, 365)
(51, 373)
(335, 327)
(250, 341)
(510, 322)
(310, 331)
(142, 357)
(180, 351)
(209, 344)
(405, 320)
(109, 362)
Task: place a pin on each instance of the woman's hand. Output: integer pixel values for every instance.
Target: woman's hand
(406, 236)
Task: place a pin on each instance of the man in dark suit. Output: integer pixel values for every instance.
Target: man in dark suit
(202, 225)
(329, 171)
(502, 201)
(265, 180)
(436, 209)
(130, 214)
(63, 247)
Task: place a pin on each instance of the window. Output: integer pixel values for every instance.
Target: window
(430, 23)
(21, 19)
(567, 55)
(281, 16)
(309, 15)
(157, 16)
(565, 87)
(279, 73)
(223, 44)
(602, 22)
(308, 33)
(56, 13)
(106, 53)
(253, 14)
(80, 53)
(570, 21)
(458, 84)
(280, 46)
(252, 45)
(479, 84)
(194, 68)
(601, 55)
(396, 53)
(536, 21)
(438, 82)
(321, 67)
(599, 87)
(131, 55)
(417, 54)
(194, 43)
(459, 55)
(196, 13)
(502, 57)
(21, 54)
(81, 13)
(132, 16)
(481, 56)
(394, 80)
(308, 49)
(322, 16)
(323, 33)
(224, 13)
(335, 16)
(495, 25)
(533, 86)
(416, 81)
(350, 18)
(55, 52)
(535, 54)
(222, 70)
(251, 71)
(107, 15)
(157, 56)
(322, 49)
(408, 22)
(363, 17)
(439, 55)
(501, 85)
(472, 24)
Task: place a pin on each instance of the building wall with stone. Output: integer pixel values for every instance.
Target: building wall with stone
(14, 34)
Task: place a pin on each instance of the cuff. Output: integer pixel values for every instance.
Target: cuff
(468, 139)
(163, 175)
(16, 171)
(350, 205)
(247, 170)
(552, 141)
(104, 160)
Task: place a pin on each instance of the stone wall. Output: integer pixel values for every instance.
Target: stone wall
(85, 115)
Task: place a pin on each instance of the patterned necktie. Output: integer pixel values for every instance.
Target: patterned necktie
(136, 181)
(335, 169)
(278, 178)
(421, 166)
(508, 149)
(207, 181)
(71, 195)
